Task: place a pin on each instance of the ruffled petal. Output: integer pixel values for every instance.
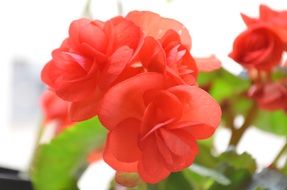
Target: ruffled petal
(80, 90)
(50, 73)
(152, 55)
(85, 31)
(121, 150)
(151, 167)
(181, 146)
(125, 100)
(208, 64)
(156, 26)
(164, 108)
(115, 66)
(199, 107)
(122, 32)
(85, 109)
(248, 20)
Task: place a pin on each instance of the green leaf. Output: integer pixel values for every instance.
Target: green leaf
(279, 74)
(211, 173)
(274, 122)
(242, 161)
(222, 84)
(205, 157)
(199, 182)
(239, 178)
(241, 105)
(59, 164)
(175, 181)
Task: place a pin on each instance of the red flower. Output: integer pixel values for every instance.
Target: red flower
(276, 19)
(258, 47)
(270, 96)
(89, 61)
(153, 127)
(55, 109)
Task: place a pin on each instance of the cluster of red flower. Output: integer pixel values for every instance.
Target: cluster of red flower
(137, 75)
(260, 49)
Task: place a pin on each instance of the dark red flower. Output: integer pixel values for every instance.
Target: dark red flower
(55, 110)
(258, 47)
(153, 127)
(276, 19)
(89, 61)
(270, 96)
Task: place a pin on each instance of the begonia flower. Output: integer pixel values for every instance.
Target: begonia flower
(153, 127)
(55, 110)
(89, 61)
(258, 47)
(270, 96)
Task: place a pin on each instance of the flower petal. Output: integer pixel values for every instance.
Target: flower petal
(121, 150)
(248, 20)
(85, 109)
(122, 32)
(182, 148)
(115, 66)
(151, 167)
(50, 73)
(208, 64)
(125, 100)
(199, 107)
(85, 31)
(156, 26)
(152, 55)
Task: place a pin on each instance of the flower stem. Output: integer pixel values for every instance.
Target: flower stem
(36, 145)
(237, 133)
(279, 155)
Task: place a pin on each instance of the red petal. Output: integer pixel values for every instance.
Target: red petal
(152, 168)
(182, 148)
(54, 108)
(79, 90)
(49, 74)
(248, 20)
(200, 108)
(122, 32)
(84, 31)
(164, 108)
(156, 26)
(115, 66)
(198, 130)
(121, 150)
(125, 100)
(85, 109)
(174, 143)
(208, 64)
(152, 55)
(266, 13)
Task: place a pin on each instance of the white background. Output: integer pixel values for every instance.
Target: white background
(31, 29)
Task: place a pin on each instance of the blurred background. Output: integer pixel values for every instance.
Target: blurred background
(31, 29)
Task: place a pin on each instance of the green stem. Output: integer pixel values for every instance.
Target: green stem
(279, 155)
(237, 133)
(87, 12)
(36, 145)
(120, 7)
